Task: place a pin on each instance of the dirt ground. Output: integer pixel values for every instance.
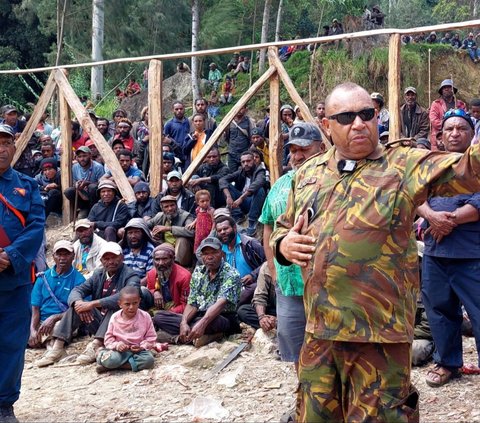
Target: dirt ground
(254, 388)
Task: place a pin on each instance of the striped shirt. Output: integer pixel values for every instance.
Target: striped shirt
(142, 262)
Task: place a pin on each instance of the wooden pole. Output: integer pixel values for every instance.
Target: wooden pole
(87, 124)
(275, 146)
(155, 124)
(394, 81)
(32, 123)
(225, 122)
(429, 77)
(66, 160)
(307, 115)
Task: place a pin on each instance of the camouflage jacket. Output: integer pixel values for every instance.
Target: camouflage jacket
(362, 283)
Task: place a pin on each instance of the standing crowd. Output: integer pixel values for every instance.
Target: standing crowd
(327, 255)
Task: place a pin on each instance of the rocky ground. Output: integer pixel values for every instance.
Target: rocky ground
(254, 388)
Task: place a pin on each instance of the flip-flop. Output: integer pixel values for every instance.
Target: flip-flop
(438, 376)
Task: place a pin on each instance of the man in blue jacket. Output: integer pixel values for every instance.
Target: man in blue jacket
(22, 220)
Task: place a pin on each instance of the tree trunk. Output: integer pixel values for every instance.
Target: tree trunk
(264, 37)
(96, 86)
(194, 63)
(279, 20)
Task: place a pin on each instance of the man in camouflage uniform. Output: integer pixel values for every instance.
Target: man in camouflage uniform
(348, 225)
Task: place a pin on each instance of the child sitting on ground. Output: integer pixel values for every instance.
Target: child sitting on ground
(203, 224)
(130, 336)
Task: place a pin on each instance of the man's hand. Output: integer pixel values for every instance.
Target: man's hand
(46, 328)
(84, 311)
(268, 322)
(34, 339)
(442, 222)
(158, 299)
(160, 229)
(247, 280)
(4, 260)
(122, 347)
(297, 248)
(229, 201)
(184, 332)
(237, 202)
(198, 330)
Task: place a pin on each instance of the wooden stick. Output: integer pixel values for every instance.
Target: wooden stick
(429, 76)
(87, 124)
(155, 125)
(66, 158)
(32, 123)
(225, 123)
(307, 115)
(275, 146)
(248, 47)
(394, 81)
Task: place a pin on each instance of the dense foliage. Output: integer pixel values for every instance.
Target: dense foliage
(28, 31)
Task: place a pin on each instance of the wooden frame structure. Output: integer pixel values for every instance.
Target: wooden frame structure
(276, 72)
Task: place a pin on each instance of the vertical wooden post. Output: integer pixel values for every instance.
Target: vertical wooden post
(275, 146)
(155, 124)
(66, 160)
(394, 82)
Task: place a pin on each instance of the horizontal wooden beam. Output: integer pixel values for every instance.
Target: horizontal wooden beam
(226, 122)
(255, 47)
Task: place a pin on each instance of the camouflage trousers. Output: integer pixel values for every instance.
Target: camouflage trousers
(355, 382)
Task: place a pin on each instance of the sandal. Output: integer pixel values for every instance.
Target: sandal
(439, 376)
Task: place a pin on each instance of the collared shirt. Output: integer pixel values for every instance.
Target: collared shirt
(463, 241)
(61, 285)
(289, 278)
(141, 262)
(205, 292)
(235, 258)
(361, 284)
(91, 174)
(177, 129)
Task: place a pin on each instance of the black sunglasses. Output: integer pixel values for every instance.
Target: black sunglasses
(346, 118)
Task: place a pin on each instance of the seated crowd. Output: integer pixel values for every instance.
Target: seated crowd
(188, 265)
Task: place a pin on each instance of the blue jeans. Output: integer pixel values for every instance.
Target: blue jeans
(251, 206)
(473, 53)
(446, 285)
(114, 359)
(15, 316)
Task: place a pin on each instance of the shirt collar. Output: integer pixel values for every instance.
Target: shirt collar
(8, 174)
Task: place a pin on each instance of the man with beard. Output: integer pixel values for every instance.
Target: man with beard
(247, 196)
(50, 293)
(133, 174)
(85, 173)
(177, 128)
(414, 119)
(242, 252)
(238, 136)
(137, 246)
(441, 105)
(79, 138)
(110, 213)
(210, 311)
(169, 225)
(87, 248)
(208, 175)
(102, 126)
(305, 141)
(103, 288)
(201, 107)
(169, 283)
(259, 142)
(143, 207)
(184, 197)
(124, 126)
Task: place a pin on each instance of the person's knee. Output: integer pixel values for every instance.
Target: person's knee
(146, 361)
(422, 350)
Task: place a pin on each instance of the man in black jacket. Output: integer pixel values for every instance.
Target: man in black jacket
(208, 176)
(248, 194)
(110, 213)
(185, 198)
(103, 288)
